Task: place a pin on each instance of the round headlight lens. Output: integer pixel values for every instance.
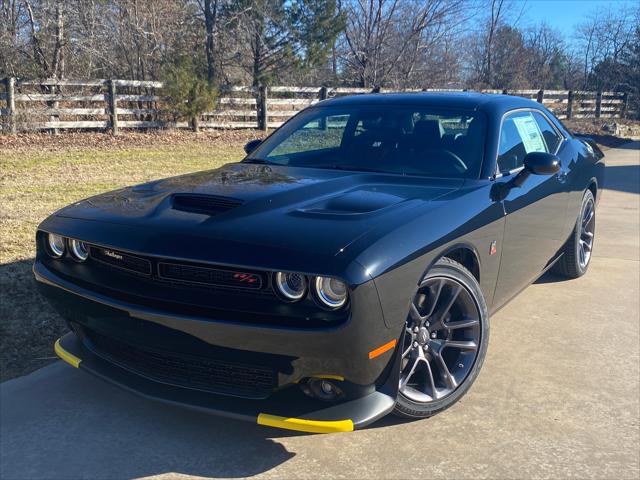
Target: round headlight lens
(56, 245)
(331, 291)
(292, 286)
(79, 250)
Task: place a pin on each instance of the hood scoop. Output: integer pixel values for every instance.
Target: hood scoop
(203, 204)
(362, 201)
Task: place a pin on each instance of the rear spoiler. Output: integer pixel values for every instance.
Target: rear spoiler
(591, 143)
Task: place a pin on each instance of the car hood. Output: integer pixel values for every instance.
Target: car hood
(304, 209)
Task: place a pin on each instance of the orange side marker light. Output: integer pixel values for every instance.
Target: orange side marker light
(383, 348)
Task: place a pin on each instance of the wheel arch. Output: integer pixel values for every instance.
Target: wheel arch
(463, 253)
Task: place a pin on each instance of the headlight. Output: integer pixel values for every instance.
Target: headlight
(55, 244)
(79, 250)
(331, 291)
(292, 286)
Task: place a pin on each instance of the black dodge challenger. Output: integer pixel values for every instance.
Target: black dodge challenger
(345, 269)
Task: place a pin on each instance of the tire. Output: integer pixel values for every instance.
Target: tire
(575, 260)
(465, 324)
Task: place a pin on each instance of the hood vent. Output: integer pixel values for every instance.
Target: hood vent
(204, 204)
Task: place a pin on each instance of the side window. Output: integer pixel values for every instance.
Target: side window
(520, 135)
(551, 136)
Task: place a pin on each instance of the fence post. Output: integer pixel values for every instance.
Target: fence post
(625, 105)
(55, 116)
(10, 83)
(570, 105)
(598, 103)
(323, 94)
(113, 107)
(262, 109)
(540, 96)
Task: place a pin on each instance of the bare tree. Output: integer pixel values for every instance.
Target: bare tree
(603, 38)
(546, 58)
(12, 19)
(211, 9)
(47, 36)
(380, 34)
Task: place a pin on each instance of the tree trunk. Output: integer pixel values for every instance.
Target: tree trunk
(57, 66)
(210, 17)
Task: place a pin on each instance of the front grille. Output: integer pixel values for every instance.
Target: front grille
(120, 259)
(186, 371)
(204, 204)
(209, 276)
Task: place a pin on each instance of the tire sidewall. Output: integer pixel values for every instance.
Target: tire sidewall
(457, 272)
(588, 195)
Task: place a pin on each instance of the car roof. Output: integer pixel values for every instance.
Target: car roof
(488, 102)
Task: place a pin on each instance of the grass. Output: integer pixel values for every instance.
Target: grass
(36, 185)
(41, 175)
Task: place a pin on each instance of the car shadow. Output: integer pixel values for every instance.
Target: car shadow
(63, 423)
(623, 178)
(550, 277)
(626, 177)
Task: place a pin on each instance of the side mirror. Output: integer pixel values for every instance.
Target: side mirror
(535, 163)
(541, 163)
(252, 145)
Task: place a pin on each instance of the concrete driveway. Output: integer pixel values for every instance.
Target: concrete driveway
(558, 397)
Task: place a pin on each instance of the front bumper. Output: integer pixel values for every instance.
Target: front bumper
(350, 352)
(288, 410)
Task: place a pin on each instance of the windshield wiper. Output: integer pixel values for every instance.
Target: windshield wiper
(257, 161)
(352, 168)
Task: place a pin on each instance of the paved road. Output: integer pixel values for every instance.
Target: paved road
(558, 397)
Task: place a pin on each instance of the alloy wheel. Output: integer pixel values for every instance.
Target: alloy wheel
(587, 233)
(442, 339)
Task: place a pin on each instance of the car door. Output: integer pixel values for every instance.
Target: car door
(536, 211)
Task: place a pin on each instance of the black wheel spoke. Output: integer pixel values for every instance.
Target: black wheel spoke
(432, 382)
(404, 380)
(450, 301)
(418, 320)
(469, 322)
(436, 297)
(462, 345)
(448, 379)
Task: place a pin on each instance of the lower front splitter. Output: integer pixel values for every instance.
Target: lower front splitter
(288, 408)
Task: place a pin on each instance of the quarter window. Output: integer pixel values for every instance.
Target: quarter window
(520, 135)
(551, 137)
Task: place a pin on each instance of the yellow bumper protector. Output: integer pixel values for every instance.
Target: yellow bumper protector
(339, 378)
(66, 356)
(302, 425)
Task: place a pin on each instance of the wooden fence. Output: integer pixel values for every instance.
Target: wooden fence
(54, 105)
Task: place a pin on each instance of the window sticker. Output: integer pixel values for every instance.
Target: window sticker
(530, 133)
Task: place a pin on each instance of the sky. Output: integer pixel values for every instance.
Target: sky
(564, 15)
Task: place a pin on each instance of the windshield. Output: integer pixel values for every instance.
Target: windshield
(410, 140)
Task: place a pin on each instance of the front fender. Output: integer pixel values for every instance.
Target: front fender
(399, 260)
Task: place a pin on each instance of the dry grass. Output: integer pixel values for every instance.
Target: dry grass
(40, 174)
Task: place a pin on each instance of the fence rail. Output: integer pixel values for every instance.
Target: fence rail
(134, 104)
